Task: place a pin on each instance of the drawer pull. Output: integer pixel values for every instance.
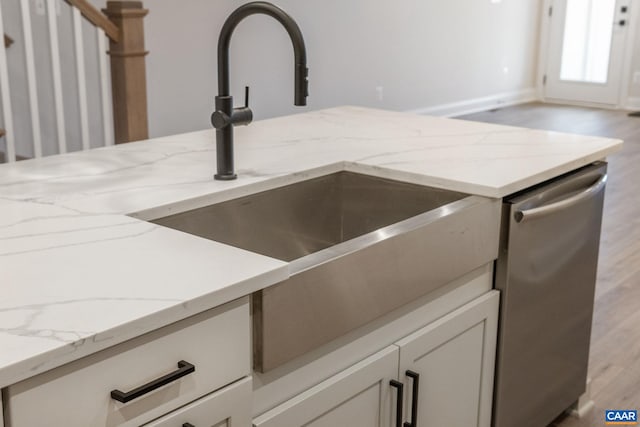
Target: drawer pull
(188, 425)
(399, 388)
(414, 399)
(184, 368)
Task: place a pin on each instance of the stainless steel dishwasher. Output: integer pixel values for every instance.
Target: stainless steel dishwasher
(546, 272)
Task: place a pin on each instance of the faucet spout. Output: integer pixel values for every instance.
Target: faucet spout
(299, 49)
(225, 116)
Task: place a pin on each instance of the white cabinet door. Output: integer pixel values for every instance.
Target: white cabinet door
(454, 358)
(228, 407)
(360, 396)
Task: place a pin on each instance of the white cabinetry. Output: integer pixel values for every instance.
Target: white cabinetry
(453, 357)
(358, 396)
(454, 360)
(452, 351)
(229, 407)
(216, 344)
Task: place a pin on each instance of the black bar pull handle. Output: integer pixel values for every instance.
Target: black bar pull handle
(184, 368)
(400, 387)
(188, 425)
(414, 398)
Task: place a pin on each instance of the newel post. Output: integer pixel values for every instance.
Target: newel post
(128, 71)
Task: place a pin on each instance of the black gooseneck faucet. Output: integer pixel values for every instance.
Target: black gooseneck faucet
(225, 116)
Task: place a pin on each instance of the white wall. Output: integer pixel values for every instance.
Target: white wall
(399, 55)
(423, 53)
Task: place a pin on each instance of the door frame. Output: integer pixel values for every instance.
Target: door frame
(624, 101)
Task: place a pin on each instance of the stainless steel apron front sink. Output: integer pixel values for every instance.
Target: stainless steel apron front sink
(358, 246)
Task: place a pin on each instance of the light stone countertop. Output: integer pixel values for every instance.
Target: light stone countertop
(80, 269)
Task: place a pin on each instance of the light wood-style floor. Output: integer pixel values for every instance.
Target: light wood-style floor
(614, 363)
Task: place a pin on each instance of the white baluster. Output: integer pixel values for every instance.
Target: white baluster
(105, 92)
(82, 77)
(57, 78)
(31, 78)
(10, 155)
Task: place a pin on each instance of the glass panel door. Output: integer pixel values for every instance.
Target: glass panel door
(585, 51)
(586, 47)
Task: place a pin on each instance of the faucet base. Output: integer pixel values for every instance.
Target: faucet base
(225, 177)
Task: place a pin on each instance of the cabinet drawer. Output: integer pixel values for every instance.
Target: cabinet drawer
(228, 407)
(215, 342)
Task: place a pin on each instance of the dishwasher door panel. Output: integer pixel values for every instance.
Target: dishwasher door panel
(546, 273)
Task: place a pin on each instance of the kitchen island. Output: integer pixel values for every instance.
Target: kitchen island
(83, 271)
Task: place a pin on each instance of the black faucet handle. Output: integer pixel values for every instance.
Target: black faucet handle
(242, 116)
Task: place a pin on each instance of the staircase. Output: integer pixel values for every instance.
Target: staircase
(101, 65)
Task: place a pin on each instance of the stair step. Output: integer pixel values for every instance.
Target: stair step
(2, 154)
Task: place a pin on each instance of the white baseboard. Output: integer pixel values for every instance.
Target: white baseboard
(476, 105)
(633, 104)
(584, 405)
(571, 103)
(582, 410)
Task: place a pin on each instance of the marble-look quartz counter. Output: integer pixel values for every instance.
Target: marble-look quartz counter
(81, 270)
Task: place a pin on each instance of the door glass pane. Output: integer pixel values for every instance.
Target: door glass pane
(587, 40)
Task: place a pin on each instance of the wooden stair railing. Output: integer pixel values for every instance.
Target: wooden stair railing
(123, 23)
(8, 41)
(98, 19)
(128, 70)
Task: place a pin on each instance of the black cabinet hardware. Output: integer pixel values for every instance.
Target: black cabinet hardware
(414, 398)
(184, 368)
(622, 22)
(400, 387)
(188, 425)
(623, 9)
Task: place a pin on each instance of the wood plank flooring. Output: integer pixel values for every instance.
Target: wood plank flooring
(614, 363)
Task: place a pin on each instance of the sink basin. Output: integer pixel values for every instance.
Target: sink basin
(358, 246)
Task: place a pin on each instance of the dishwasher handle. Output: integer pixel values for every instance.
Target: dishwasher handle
(533, 213)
